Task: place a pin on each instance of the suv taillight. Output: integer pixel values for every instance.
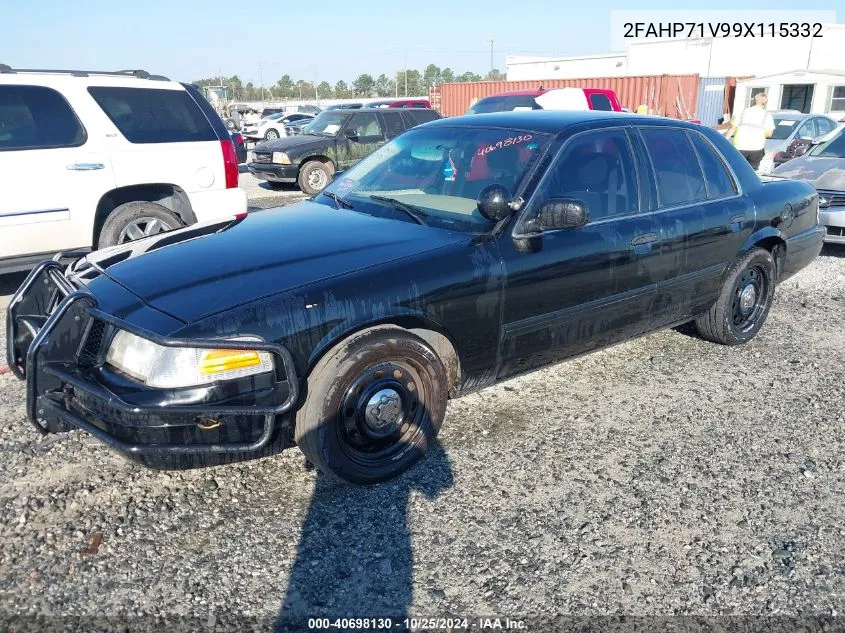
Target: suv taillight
(230, 163)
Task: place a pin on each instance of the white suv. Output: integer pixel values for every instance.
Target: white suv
(92, 159)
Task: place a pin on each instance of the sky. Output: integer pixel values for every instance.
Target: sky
(324, 40)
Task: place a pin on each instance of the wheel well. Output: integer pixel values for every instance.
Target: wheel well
(777, 247)
(438, 341)
(169, 196)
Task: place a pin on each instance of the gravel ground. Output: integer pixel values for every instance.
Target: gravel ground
(664, 476)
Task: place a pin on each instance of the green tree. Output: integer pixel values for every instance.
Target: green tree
(431, 76)
(495, 75)
(384, 86)
(285, 88)
(416, 87)
(468, 76)
(324, 90)
(304, 90)
(364, 85)
(341, 90)
(447, 75)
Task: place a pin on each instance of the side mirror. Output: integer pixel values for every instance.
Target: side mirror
(561, 213)
(351, 134)
(494, 202)
(801, 149)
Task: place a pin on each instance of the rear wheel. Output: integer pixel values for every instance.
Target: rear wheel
(135, 220)
(314, 176)
(744, 302)
(374, 406)
(271, 135)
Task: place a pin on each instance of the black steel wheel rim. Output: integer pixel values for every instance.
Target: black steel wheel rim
(749, 300)
(381, 412)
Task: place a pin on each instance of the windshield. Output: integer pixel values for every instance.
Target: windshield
(834, 148)
(505, 103)
(326, 123)
(441, 171)
(783, 128)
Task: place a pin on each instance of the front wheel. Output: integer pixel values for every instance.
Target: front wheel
(744, 302)
(374, 406)
(271, 135)
(314, 176)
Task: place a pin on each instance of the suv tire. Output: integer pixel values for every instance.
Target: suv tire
(134, 220)
(314, 176)
(744, 301)
(374, 406)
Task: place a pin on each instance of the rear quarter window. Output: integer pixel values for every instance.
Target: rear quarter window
(150, 115)
(422, 115)
(718, 180)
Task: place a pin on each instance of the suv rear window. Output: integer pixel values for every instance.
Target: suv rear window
(149, 115)
(35, 117)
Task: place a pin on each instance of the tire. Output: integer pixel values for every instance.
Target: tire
(314, 176)
(744, 301)
(230, 124)
(374, 406)
(271, 135)
(148, 218)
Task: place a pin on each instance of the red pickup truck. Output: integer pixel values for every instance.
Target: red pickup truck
(552, 99)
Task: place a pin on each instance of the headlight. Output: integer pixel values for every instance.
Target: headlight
(173, 367)
(281, 158)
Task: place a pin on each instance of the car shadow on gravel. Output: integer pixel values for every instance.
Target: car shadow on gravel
(354, 558)
(833, 250)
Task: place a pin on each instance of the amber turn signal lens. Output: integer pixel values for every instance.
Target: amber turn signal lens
(220, 360)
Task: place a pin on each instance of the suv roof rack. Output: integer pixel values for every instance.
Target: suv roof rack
(140, 74)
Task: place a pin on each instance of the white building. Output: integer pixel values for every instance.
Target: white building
(708, 57)
(817, 92)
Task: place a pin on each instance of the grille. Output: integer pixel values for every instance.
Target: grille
(90, 353)
(836, 231)
(261, 157)
(834, 198)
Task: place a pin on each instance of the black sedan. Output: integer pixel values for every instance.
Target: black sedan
(464, 252)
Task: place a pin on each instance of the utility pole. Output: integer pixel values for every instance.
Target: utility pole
(491, 40)
(406, 74)
(316, 96)
(261, 80)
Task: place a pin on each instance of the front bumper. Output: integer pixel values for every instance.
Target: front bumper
(56, 341)
(274, 172)
(833, 219)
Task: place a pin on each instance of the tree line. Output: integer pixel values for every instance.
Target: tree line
(416, 83)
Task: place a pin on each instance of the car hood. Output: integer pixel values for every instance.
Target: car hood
(201, 270)
(821, 172)
(295, 145)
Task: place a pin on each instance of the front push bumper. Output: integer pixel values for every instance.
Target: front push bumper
(56, 341)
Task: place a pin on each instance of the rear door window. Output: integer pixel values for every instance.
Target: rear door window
(676, 168)
(149, 115)
(718, 180)
(599, 101)
(35, 117)
(393, 124)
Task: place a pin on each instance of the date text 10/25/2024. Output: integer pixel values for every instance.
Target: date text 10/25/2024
(419, 624)
(721, 29)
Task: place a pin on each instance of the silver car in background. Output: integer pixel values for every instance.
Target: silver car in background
(823, 166)
(789, 126)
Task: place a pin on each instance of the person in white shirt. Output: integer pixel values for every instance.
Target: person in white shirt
(751, 129)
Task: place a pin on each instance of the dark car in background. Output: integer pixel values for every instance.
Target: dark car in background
(823, 166)
(344, 106)
(462, 253)
(240, 147)
(333, 141)
(400, 103)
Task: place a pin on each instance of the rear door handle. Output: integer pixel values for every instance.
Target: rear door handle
(85, 166)
(644, 238)
(739, 218)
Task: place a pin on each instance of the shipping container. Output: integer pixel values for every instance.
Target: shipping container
(665, 95)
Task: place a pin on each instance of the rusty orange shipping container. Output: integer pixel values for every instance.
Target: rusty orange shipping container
(665, 95)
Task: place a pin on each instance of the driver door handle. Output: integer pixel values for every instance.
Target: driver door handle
(644, 238)
(80, 166)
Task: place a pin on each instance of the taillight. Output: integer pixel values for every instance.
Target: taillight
(230, 163)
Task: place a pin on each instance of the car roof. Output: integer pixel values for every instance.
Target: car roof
(556, 121)
(519, 93)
